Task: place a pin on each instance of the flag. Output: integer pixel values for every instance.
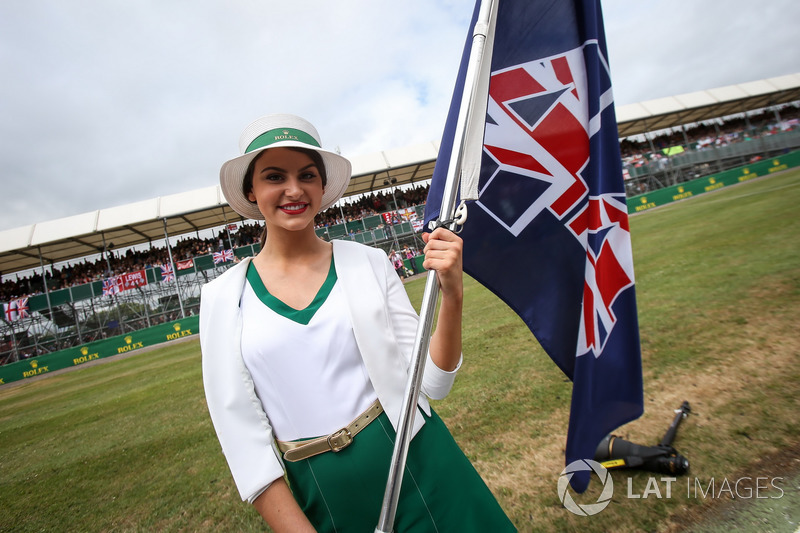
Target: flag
(167, 274)
(183, 265)
(10, 311)
(23, 311)
(131, 280)
(124, 282)
(223, 256)
(548, 231)
(111, 286)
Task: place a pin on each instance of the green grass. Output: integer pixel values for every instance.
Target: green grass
(128, 445)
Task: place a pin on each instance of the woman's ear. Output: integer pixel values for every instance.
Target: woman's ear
(251, 197)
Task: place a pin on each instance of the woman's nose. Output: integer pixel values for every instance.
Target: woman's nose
(293, 188)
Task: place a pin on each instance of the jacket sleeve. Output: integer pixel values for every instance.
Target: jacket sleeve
(242, 427)
(436, 383)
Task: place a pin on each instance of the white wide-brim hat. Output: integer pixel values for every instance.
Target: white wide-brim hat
(275, 131)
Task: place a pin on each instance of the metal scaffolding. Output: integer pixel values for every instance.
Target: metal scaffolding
(59, 319)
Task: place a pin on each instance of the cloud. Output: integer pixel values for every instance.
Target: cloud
(106, 103)
(659, 49)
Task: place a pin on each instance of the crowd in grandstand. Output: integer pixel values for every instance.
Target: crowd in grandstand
(707, 135)
(131, 260)
(119, 262)
(372, 204)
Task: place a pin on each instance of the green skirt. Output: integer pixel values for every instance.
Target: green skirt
(441, 492)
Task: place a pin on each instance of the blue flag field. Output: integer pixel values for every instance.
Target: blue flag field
(548, 232)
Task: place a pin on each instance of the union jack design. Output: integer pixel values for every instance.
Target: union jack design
(111, 286)
(23, 311)
(223, 256)
(167, 274)
(609, 267)
(533, 109)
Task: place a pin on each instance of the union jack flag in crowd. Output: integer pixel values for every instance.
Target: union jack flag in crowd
(111, 286)
(167, 274)
(548, 231)
(223, 256)
(23, 311)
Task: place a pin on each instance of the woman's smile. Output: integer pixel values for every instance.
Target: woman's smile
(294, 208)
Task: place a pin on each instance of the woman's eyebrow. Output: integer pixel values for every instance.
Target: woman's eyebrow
(278, 169)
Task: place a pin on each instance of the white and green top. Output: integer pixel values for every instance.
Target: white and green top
(305, 363)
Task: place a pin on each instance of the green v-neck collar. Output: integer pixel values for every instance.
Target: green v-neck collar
(301, 316)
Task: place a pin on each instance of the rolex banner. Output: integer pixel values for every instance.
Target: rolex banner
(78, 355)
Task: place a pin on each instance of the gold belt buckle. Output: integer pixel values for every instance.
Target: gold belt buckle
(339, 440)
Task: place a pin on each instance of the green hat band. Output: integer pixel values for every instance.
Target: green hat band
(281, 134)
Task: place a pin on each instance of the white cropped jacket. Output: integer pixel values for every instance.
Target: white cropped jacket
(384, 323)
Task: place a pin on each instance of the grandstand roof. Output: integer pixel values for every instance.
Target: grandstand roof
(123, 226)
(141, 222)
(663, 113)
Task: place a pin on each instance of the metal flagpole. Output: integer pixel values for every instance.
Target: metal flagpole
(174, 270)
(114, 298)
(13, 337)
(52, 317)
(227, 230)
(430, 296)
(395, 212)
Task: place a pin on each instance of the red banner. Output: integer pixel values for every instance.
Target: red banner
(132, 280)
(183, 265)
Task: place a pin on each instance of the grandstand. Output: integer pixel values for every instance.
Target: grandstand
(90, 276)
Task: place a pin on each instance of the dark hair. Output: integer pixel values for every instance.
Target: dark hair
(247, 183)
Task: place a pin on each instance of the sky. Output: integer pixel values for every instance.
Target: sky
(108, 102)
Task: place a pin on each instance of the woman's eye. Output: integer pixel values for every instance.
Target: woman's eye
(274, 177)
(308, 176)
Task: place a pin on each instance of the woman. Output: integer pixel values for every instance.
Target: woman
(305, 356)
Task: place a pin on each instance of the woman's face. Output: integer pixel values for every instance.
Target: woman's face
(287, 187)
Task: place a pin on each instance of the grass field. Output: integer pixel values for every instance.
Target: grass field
(128, 445)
